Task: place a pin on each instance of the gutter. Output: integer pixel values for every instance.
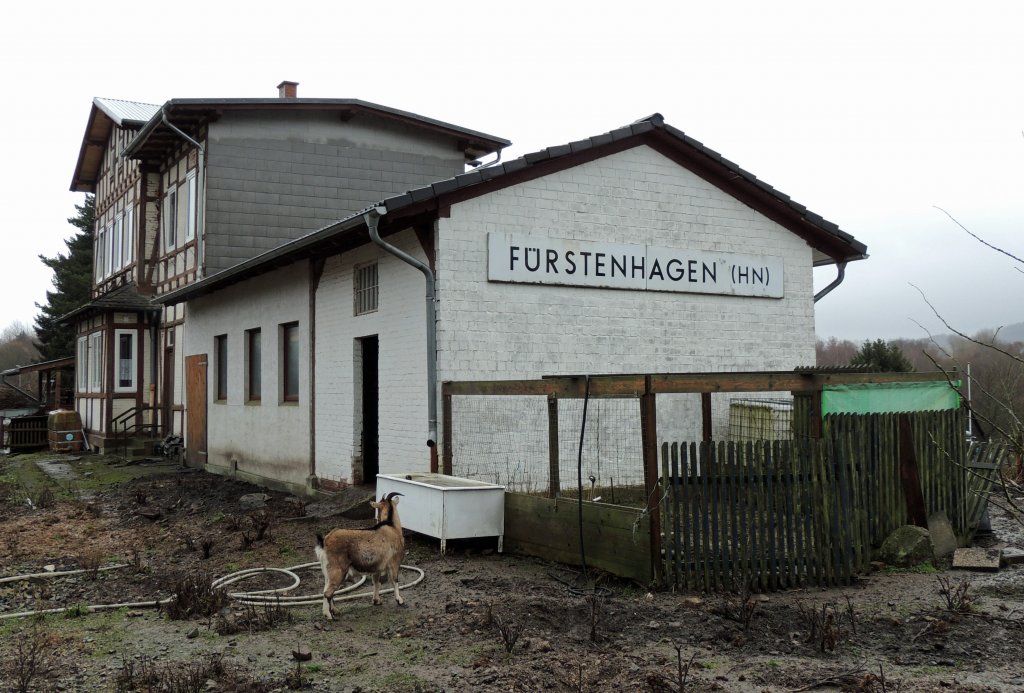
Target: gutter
(372, 217)
(200, 192)
(841, 267)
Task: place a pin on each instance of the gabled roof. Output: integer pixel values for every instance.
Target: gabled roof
(189, 113)
(104, 115)
(830, 243)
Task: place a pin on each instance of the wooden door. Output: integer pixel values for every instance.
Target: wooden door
(195, 410)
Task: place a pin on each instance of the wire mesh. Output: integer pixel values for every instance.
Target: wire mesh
(501, 440)
(612, 448)
(758, 419)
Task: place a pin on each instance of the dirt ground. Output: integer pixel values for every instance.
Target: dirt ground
(891, 631)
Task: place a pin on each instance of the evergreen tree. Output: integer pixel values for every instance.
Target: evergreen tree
(881, 357)
(72, 281)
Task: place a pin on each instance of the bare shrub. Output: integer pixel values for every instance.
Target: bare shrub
(195, 596)
(90, 559)
(827, 626)
(142, 674)
(262, 524)
(955, 596)
(233, 523)
(509, 631)
(137, 561)
(43, 497)
(739, 605)
(253, 619)
(207, 546)
(33, 651)
(660, 682)
(595, 607)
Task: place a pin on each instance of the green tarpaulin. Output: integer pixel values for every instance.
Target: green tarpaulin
(882, 398)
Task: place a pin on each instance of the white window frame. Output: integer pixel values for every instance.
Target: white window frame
(133, 367)
(108, 251)
(82, 365)
(128, 248)
(117, 242)
(365, 296)
(101, 240)
(190, 207)
(170, 218)
(96, 362)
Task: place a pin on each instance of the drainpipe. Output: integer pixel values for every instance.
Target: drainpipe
(200, 193)
(372, 217)
(841, 266)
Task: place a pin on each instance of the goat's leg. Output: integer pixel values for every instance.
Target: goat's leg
(376, 589)
(333, 577)
(393, 569)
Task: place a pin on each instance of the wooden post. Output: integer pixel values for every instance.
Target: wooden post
(554, 481)
(814, 423)
(446, 422)
(909, 475)
(649, 437)
(705, 409)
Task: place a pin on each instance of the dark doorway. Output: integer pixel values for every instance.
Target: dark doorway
(370, 398)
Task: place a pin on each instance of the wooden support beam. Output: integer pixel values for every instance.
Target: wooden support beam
(909, 475)
(554, 480)
(705, 410)
(649, 438)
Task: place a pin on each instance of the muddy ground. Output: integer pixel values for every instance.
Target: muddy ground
(892, 630)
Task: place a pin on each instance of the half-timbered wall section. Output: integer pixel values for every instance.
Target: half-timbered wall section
(118, 190)
(175, 250)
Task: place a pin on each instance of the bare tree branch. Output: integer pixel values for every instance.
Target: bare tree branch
(977, 237)
(957, 332)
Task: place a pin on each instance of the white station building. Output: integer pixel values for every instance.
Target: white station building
(635, 251)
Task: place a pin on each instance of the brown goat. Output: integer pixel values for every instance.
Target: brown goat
(372, 551)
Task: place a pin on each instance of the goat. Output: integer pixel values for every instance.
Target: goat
(371, 551)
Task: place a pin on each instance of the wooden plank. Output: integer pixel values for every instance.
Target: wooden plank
(705, 415)
(554, 482)
(688, 462)
(771, 450)
(909, 477)
(705, 523)
(669, 542)
(735, 557)
(677, 511)
(446, 424)
(548, 528)
(649, 441)
(712, 477)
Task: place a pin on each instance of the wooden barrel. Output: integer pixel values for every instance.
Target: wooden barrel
(64, 431)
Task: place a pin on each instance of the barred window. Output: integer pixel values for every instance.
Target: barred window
(365, 290)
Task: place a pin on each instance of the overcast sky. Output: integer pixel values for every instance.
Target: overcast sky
(869, 113)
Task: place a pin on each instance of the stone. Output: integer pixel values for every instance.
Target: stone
(977, 559)
(254, 500)
(906, 547)
(192, 634)
(1012, 556)
(941, 532)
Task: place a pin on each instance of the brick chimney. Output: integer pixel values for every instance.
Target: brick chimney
(288, 90)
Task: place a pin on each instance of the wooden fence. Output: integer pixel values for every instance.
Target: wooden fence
(786, 513)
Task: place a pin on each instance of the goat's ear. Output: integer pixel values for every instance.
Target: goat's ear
(374, 504)
(394, 499)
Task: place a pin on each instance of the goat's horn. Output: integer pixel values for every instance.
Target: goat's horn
(392, 495)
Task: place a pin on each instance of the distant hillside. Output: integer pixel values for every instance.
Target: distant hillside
(1012, 333)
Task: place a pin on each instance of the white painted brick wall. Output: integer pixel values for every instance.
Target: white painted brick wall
(271, 438)
(496, 331)
(400, 324)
